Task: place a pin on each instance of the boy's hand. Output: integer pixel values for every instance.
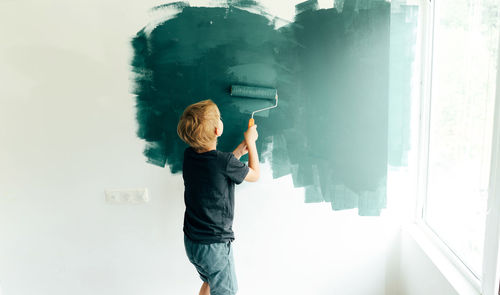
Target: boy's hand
(251, 135)
(240, 150)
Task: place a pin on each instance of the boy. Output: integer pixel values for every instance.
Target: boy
(209, 179)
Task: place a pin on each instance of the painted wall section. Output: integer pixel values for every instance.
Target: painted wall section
(331, 69)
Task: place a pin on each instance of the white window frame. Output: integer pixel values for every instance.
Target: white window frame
(457, 273)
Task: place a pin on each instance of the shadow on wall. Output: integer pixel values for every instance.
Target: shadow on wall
(331, 69)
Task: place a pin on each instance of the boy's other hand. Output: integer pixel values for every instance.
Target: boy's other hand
(240, 150)
(251, 134)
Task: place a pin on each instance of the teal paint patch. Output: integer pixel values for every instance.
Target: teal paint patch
(331, 69)
(199, 54)
(344, 79)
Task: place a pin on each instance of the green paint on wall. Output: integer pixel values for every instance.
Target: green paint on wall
(197, 55)
(331, 69)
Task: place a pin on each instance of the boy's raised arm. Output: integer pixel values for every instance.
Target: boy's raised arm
(251, 136)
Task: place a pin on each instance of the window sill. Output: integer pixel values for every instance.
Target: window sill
(464, 284)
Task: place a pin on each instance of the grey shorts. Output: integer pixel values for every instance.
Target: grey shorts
(215, 265)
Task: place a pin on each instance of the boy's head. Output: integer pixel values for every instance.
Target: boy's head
(200, 125)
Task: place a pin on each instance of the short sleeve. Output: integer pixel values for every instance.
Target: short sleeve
(236, 170)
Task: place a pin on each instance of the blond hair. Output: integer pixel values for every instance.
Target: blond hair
(197, 124)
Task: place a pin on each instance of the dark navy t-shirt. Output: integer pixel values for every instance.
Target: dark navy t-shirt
(209, 180)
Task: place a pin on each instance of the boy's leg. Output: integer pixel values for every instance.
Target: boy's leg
(215, 264)
(205, 289)
(223, 281)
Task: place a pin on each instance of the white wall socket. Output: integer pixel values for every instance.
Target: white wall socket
(126, 196)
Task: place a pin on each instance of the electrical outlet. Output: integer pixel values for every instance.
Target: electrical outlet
(126, 196)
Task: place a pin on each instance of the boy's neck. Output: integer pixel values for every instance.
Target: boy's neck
(208, 149)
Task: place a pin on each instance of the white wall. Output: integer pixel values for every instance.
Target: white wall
(418, 273)
(67, 132)
(409, 270)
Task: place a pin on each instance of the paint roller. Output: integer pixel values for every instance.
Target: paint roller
(258, 93)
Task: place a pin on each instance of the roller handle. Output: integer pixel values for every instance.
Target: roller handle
(251, 122)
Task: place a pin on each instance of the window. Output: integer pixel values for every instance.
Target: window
(463, 72)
